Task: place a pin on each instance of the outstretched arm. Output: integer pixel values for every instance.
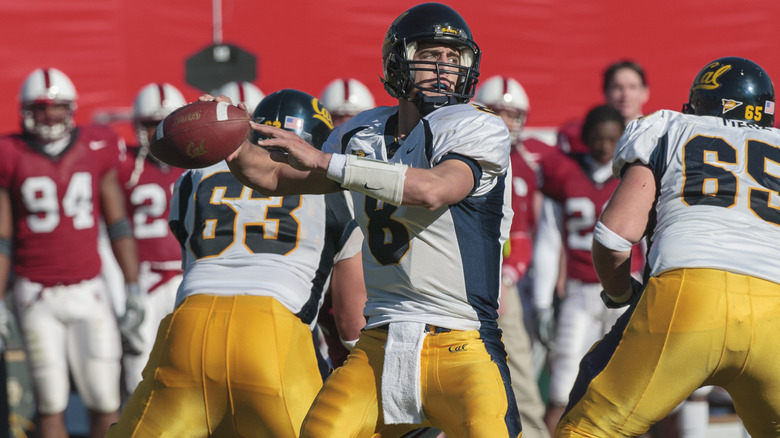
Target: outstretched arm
(294, 164)
(274, 172)
(269, 172)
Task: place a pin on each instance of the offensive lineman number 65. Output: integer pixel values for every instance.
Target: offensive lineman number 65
(698, 187)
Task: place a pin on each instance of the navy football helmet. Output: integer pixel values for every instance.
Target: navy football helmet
(429, 22)
(733, 88)
(294, 111)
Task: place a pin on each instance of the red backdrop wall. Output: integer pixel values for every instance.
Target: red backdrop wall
(556, 48)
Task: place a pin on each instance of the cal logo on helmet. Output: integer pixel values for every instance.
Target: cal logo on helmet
(708, 80)
(320, 112)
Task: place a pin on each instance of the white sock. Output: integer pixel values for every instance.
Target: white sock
(694, 418)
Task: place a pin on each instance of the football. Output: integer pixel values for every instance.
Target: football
(200, 134)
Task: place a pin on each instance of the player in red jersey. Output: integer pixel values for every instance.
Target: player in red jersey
(506, 97)
(581, 186)
(56, 182)
(148, 185)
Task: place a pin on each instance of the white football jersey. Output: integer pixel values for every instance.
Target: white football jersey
(719, 182)
(439, 267)
(236, 241)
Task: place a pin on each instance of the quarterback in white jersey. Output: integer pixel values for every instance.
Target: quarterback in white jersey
(429, 185)
(703, 186)
(419, 262)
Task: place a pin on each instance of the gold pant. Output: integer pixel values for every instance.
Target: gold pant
(691, 328)
(464, 391)
(225, 366)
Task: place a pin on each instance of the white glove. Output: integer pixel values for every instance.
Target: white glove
(545, 326)
(5, 325)
(130, 322)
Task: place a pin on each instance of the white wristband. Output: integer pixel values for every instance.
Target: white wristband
(349, 345)
(375, 178)
(336, 167)
(610, 239)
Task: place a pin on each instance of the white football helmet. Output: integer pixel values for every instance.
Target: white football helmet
(47, 86)
(346, 97)
(151, 105)
(241, 92)
(155, 101)
(507, 97)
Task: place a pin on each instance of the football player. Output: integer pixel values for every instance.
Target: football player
(346, 97)
(507, 98)
(429, 183)
(580, 185)
(236, 357)
(56, 182)
(701, 184)
(626, 89)
(148, 186)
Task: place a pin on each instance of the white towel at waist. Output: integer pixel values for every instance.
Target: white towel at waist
(401, 392)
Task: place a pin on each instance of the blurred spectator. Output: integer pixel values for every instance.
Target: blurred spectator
(625, 88)
(580, 185)
(506, 97)
(148, 185)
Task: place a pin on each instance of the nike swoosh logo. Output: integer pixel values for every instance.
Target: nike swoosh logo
(97, 145)
(409, 151)
(367, 187)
